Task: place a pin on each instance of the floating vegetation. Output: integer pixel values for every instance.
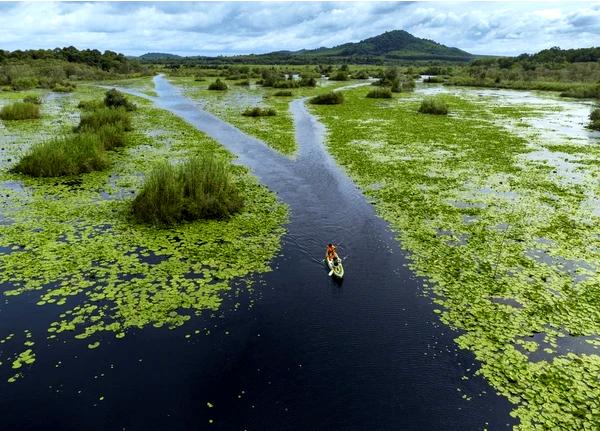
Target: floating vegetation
(71, 248)
(20, 111)
(475, 211)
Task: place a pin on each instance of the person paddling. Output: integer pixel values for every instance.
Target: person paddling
(331, 252)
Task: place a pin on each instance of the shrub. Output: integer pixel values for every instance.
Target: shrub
(433, 106)
(200, 188)
(286, 83)
(583, 92)
(24, 83)
(433, 80)
(94, 120)
(63, 87)
(595, 119)
(70, 155)
(340, 75)
(259, 112)
(332, 98)
(282, 93)
(218, 85)
(20, 111)
(36, 100)
(115, 99)
(380, 93)
(362, 74)
(244, 83)
(307, 82)
(399, 86)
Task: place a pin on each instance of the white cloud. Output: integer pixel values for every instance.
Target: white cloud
(232, 28)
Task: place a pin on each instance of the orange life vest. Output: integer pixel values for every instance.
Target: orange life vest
(331, 252)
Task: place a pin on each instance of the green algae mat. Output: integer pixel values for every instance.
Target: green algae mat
(71, 243)
(509, 245)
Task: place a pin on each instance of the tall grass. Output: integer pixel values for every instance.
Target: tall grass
(282, 93)
(380, 93)
(434, 106)
(69, 155)
(96, 119)
(20, 111)
(331, 98)
(200, 188)
(259, 112)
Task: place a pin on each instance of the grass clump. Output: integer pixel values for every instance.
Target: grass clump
(96, 119)
(331, 98)
(36, 100)
(361, 74)
(218, 85)
(283, 93)
(20, 111)
(259, 112)
(70, 155)
(434, 106)
(115, 99)
(200, 188)
(339, 76)
(380, 93)
(595, 119)
(63, 87)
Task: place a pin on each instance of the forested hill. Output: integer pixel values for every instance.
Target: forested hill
(388, 48)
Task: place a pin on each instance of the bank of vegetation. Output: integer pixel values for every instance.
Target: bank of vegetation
(60, 68)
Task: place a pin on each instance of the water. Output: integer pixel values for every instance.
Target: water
(311, 353)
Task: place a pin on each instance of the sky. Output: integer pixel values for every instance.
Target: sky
(228, 28)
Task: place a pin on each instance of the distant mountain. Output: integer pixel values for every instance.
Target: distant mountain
(149, 56)
(390, 47)
(394, 45)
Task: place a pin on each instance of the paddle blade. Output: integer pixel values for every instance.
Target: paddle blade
(330, 273)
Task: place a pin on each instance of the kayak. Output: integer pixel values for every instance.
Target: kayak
(338, 269)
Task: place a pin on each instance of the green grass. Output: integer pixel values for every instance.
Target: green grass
(20, 111)
(257, 111)
(380, 93)
(200, 188)
(115, 99)
(283, 93)
(331, 98)
(430, 173)
(434, 106)
(69, 155)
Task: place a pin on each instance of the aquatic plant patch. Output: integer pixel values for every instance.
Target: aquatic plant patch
(483, 219)
(72, 244)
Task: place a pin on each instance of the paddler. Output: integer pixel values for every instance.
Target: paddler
(331, 252)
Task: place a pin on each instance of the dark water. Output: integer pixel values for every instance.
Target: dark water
(310, 354)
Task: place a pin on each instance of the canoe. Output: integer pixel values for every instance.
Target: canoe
(338, 270)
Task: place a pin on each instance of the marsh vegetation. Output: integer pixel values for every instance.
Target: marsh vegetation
(20, 111)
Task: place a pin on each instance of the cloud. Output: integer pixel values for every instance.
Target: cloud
(197, 28)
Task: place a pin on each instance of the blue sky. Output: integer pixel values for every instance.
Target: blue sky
(214, 28)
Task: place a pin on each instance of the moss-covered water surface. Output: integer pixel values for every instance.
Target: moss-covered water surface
(71, 244)
(511, 251)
